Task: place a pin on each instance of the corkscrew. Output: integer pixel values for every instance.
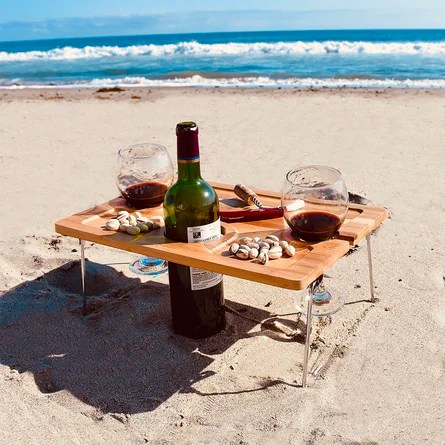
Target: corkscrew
(247, 195)
(243, 215)
(250, 214)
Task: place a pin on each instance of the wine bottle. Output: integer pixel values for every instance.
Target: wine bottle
(191, 213)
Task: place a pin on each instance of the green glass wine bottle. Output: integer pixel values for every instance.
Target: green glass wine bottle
(191, 213)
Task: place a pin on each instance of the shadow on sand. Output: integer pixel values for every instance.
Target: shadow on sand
(122, 357)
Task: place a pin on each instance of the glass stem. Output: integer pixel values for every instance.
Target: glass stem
(320, 294)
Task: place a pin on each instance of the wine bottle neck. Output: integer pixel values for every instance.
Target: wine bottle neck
(188, 155)
(189, 170)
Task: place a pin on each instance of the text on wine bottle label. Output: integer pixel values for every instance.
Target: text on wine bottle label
(202, 279)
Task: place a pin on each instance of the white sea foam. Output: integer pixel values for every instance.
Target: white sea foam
(221, 49)
(240, 82)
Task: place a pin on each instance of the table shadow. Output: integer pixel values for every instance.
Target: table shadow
(122, 357)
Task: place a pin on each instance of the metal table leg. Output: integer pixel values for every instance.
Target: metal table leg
(371, 277)
(308, 335)
(309, 311)
(82, 270)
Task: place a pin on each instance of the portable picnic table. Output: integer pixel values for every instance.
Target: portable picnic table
(310, 261)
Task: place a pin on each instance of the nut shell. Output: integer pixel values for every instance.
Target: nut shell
(133, 230)
(253, 253)
(275, 253)
(142, 227)
(261, 250)
(289, 250)
(234, 248)
(243, 254)
(283, 244)
(269, 241)
(263, 258)
(112, 224)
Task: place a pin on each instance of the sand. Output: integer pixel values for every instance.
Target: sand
(120, 376)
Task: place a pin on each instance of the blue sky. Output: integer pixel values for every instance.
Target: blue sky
(31, 19)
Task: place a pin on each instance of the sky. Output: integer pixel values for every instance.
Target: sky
(40, 19)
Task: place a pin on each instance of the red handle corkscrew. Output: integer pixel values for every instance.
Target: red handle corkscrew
(250, 214)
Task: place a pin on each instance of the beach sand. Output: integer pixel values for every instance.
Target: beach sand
(120, 376)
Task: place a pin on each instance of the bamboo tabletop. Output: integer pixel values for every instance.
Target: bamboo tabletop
(309, 262)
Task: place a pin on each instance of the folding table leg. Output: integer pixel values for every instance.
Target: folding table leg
(371, 277)
(308, 334)
(82, 270)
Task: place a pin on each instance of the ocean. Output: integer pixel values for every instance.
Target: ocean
(272, 59)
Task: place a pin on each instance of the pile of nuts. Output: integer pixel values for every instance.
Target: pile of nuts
(132, 223)
(261, 250)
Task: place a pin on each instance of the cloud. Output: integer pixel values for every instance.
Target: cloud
(205, 21)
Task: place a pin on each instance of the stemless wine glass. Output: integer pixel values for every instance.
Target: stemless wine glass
(314, 199)
(143, 174)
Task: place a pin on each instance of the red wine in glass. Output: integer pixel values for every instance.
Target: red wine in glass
(314, 226)
(140, 196)
(314, 199)
(145, 194)
(143, 174)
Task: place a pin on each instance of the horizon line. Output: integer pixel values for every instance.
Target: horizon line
(227, 32)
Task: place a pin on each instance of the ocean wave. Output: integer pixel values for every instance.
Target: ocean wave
(227, 49)
(239, 82)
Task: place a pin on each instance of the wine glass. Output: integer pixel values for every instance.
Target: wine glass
(143, 174)
(314, 199)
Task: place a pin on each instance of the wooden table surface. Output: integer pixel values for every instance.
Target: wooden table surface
(309, 262)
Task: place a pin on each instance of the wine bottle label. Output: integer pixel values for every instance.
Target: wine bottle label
(203, 234)
(203, 279)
